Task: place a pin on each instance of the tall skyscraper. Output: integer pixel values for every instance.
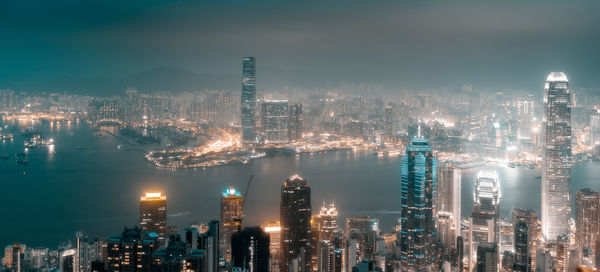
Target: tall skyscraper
(417, 222)
(295, 123)
(595, 127)
(556, 167)
(274, 120)
(295, 215)
(449, 207)
(153, 214)
(389, 122)
(248, 100)
(328, 218)
(250, 250)
(487, 257)
(231, 219)
(209, 242)
(484, 222)
(364, 230)
(274, 231)
(587, 223)
(131, 251)
(525, 235)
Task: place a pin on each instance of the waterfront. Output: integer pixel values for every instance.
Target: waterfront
(87, 183)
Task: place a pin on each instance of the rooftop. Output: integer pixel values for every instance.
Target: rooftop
(557, 77)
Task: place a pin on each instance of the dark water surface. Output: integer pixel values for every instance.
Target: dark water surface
(87, 183)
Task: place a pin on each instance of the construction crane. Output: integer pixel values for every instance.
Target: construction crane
(246, 191)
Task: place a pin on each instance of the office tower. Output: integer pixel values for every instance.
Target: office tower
(417, 222)
(153, 214)
(556, 152)
(543, 261)
(190, 234)
(36, 258)
(329, 253)
(250, 250)
(131, 251)
(563, 251)
(484, 222)
(295, 214)
(248, 100)
(595, 127)
(526, 114)
(208, 241)
(295, 123)
(67, 260)
(352, 248)
(366, 266)
(525, 233)
(13, 256)
(448, 206)
(487, 257)
(231, 219)
(328, 221)
(389, 122)
(171, 258)
(364, 230)
(273, 228)
(274, 121)
(587, 223)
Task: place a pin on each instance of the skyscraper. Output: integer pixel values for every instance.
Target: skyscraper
(417, 222)
(487, 257)
(131, 251)
(295, 123)
(274, 120)
(328, 216)
(364, 230)
(209, 242)
(274, 231)
(484, 224)
(250, 250)
(248, 100)
(448, 206)
(295, 214)
(556, 152)
(153, 214)
(231, 219)
(587, 223)
(525, 235)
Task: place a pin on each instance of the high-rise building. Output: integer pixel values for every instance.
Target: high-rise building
(556, 167)
(171, 258)
(526, 239)
(364, 230)
(231, 219)
(208, 241)
(526, 114)
(248, 100)
(587, 224)
(153, 214)
(328, 220)
(484, 222)
(13, 256)
(367, 266)
(389, 122)
(274, 120)
(274, 231)
(295, 123)
(295, 215)
(449, 207)
(131, 251)
(487, 257)
(250, 250)
(417, 221)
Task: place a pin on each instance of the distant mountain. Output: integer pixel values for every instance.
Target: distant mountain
(177, 80)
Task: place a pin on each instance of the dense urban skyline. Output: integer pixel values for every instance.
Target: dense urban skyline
(356, 137)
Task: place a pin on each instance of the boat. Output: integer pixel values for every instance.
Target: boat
(23, 161)
(511, 164)
(4, 156)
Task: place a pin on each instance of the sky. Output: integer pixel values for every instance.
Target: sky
(103, 47)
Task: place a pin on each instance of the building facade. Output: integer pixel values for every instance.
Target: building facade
(295, 215)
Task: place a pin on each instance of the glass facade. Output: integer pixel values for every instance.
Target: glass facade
(248, 102)
(556, 171)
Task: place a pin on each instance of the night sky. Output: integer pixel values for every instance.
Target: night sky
(102, 47)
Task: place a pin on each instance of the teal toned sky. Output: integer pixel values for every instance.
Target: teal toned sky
(100, 47)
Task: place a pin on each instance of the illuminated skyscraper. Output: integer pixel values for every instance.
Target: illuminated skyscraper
(484, 224)
(274, 120)
(250, 250)
(274, 231)
(448, 206)
(526, 233)
(231, 219)
(295, 215)
(153, 214)
(328, 216)
(587, 223)
(417, 221)
(248, 100)
(556, 168)
(487, 257)
(595, 127)
(130, 251)
(364, 230)
(295, 123)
